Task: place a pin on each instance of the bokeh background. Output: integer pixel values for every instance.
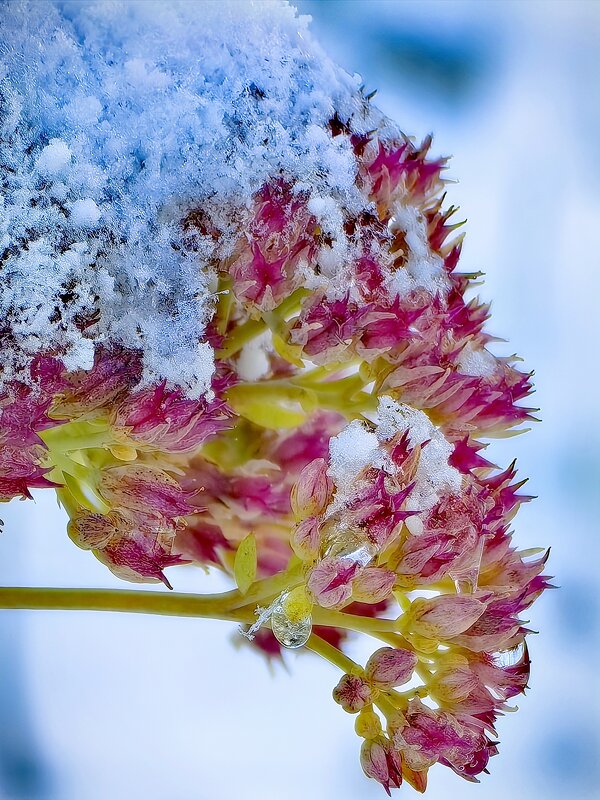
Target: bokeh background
(101, 707)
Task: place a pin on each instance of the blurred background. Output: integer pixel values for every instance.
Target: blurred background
(101, 707)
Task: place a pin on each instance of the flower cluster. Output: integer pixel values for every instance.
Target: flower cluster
(334, 467)
(352, 458)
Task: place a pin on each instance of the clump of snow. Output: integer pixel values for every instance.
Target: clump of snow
(356, 448)
(253, 361)
(350, 452)
(54, 157)
(434, 473)
(477, 362)
(84, 213)
(424, 269)
(118, 119)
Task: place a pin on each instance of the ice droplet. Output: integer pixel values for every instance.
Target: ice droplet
(290, 634)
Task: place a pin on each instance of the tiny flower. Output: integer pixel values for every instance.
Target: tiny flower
(352, 693)
(430, 735)
(312, 493)
(381, 762)
(389, 667)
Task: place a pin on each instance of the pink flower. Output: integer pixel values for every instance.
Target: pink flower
(145, 491)
(389, 667)
(352, 693)
(165, 420)
(312, 493)
(381, 762)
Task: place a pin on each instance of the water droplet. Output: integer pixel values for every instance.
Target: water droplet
(511, 657)
(290, 634)
(351, 545)
(466, 580)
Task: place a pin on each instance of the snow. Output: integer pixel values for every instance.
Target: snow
(54, 157)
(118, 119)
(356, 448)
(434, 474)
(478, 363)
(84, 213)
(350, 452)
(424, 269)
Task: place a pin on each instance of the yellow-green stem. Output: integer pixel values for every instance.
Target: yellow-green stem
(140, 602)
(332, 654)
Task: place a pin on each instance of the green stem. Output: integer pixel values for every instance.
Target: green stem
(353, 622)
(254, 327)
(171, 604)
(332, 654)
(265, 589)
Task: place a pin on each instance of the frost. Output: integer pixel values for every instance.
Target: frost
(137, 114)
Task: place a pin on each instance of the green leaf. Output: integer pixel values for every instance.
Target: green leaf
(244, 566)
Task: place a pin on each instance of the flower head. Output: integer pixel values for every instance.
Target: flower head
(249, 348)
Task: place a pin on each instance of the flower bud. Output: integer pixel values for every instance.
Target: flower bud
(373, 585)
(381, 761)
(352, 693)
(331, 581)
(453, 685)
(312, 492)
(443, 617)
(306, 538)
(389, 667)
(368, 724)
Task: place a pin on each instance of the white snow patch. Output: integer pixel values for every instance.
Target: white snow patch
(434, 473)
(253, 361)
(477, 362)
(424, 269)
(138, 113)
(54, 157)
(85, 213)
(350, 452)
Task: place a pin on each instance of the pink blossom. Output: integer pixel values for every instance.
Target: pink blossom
(389, 667)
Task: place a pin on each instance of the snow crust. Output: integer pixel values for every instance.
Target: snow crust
(118, 119)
